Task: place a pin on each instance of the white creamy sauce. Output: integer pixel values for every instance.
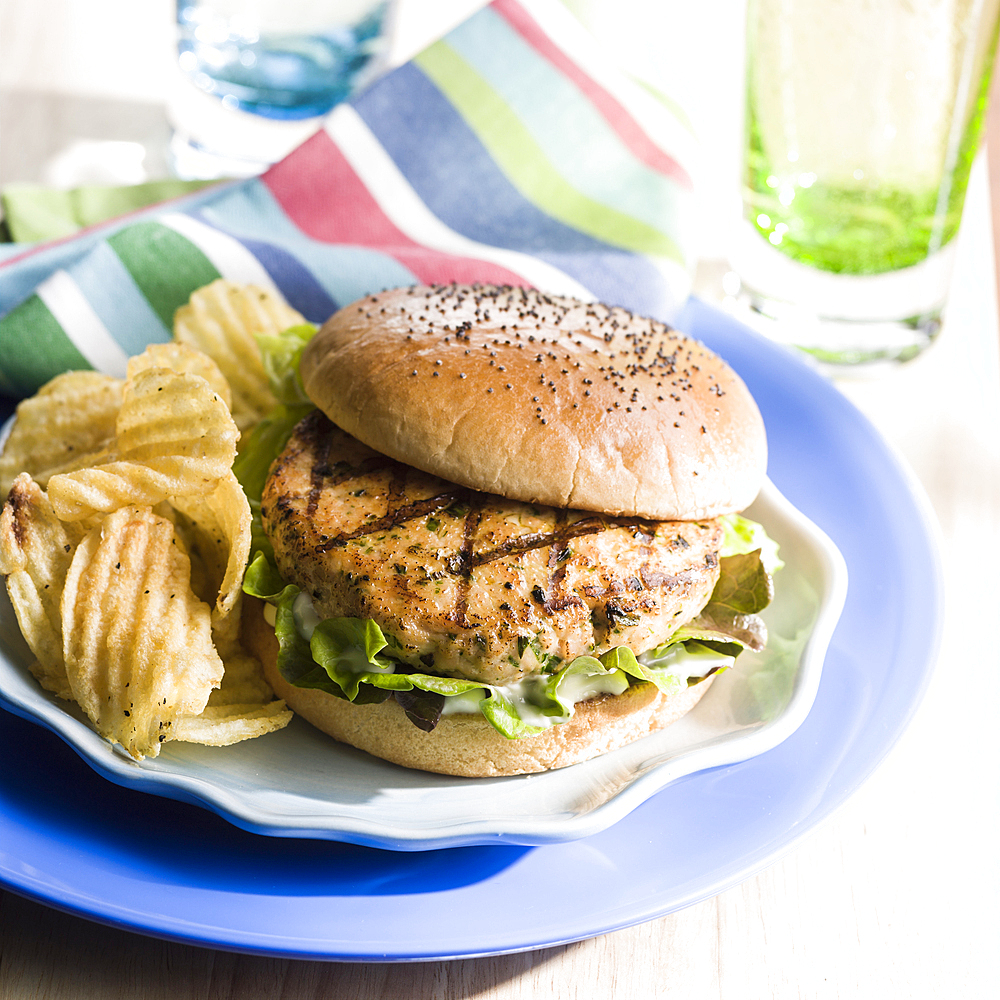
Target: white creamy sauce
(693, 660)
(356, 662)
(466, 703)
(524, 694)
(528, 694)
(305, 616)
(583, 687)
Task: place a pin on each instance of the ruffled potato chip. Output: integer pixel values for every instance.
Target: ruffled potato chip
(136, 641)
(61, 427)
(174, 437)
(221, 319)
(36, 550)
(224, 725)
(217, 530)
(243, 682)
(135, 614)
(181, 358)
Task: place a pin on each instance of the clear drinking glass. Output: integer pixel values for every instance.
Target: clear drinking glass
(862, 121)
(284, 61)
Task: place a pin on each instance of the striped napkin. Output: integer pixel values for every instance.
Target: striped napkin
(510, 151)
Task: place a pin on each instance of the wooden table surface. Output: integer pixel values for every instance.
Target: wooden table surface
(895, 896)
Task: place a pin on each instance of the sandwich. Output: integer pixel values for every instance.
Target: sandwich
(504, 536)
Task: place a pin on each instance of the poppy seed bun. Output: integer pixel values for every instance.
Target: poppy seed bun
(468, 745)
(541, 399)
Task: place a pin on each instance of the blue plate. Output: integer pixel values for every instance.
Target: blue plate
(73, 840)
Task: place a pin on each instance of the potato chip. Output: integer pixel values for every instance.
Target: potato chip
(243, 682)
(222, 726)
(52, 678)
(181, 358)
(106, 590)
(136, 641)
(174, 437)
(35, 552)
(61, 427)
(216, 528)
(221, 320)
(243, 706)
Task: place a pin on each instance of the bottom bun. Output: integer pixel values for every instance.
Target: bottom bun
(468, 745)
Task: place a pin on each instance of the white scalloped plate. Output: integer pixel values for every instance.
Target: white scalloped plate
(300, 783)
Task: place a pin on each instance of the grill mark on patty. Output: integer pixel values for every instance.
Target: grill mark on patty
(394, 518)
(319, 432)
(540, 540)
(557, 563)
(318, 474)
(649, 579)
(397, 490)
(323, 476)
(460, 564)
(553, 604)
(343, 472)
(465, 560)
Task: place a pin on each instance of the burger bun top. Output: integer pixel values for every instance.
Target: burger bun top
(542, 399)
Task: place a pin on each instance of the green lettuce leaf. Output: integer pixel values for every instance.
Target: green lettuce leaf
(263, 446)
(347, 649)
(718, 624)
(719, 641)
(263, 580)
(349, 661)
(688, 659)
(664, 667)
(622, 658)
(251, 466)
(294, 655)
(741, 535)
(501, 713)
(773, 684)
(295, 658)
(281, 355)
(744, 588)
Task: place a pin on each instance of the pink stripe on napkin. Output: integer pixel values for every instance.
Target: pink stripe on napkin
(628, 129)
(317, 174)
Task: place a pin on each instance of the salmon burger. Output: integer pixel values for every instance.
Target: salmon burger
(507, 539)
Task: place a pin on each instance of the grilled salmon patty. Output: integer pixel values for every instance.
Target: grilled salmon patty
(470, 584)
